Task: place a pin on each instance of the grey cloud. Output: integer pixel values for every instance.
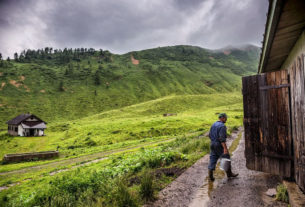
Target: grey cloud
(233, 24)
(126, 25)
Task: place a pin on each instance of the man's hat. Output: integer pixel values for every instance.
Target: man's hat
(222, 115)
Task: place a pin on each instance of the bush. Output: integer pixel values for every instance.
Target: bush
(282, 193)
(90, 143)
(146, 187)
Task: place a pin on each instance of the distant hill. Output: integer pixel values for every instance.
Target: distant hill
(59, 85)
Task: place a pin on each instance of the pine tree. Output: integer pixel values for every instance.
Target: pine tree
(97, 78)
(61, 86)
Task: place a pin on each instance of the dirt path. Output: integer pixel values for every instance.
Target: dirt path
(248, 189)
(183, 190)
(193, 188)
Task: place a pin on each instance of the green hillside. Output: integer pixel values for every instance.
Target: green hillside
(59, 85)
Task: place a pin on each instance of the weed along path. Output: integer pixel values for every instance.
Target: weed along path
(193, 189)
(56, 167)
(83, 159)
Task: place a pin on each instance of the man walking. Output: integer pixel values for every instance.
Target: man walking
(218, 136)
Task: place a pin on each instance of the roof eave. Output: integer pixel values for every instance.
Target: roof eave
(274, 12)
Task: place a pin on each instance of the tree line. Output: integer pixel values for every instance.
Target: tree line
(59, 55)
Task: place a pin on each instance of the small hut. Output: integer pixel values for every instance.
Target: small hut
(26, 125)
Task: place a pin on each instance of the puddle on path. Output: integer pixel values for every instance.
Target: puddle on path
(203, 194)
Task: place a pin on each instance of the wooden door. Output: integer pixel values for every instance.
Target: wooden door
(267, 123)
(297, 79)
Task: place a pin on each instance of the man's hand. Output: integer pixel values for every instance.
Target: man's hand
(225, 149)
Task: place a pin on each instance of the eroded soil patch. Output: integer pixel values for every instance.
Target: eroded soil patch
(2, 85)
(134, 61)
(171, 172)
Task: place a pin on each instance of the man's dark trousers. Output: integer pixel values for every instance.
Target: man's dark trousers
(216, 152)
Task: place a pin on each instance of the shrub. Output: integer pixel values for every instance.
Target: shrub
(282, 193)
(90, 142)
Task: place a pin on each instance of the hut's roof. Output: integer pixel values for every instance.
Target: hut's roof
(18, 119)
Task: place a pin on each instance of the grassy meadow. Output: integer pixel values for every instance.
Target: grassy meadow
(132, 125)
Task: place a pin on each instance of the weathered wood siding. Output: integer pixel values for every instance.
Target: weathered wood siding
(297, 79)
(251, 122)
(267, 123)
(12, 130)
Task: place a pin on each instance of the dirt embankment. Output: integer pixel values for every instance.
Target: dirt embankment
(134, 61)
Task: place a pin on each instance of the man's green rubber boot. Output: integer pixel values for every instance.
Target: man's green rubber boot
(211, 175)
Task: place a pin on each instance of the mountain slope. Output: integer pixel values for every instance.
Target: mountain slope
(62, 85)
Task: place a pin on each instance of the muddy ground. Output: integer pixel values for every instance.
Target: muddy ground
(248, 189)
(193, 189)
(183, 190)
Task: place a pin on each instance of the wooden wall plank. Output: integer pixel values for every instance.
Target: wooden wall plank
(250, 94)
(297, 80)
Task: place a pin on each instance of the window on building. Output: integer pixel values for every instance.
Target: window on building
(16, 129)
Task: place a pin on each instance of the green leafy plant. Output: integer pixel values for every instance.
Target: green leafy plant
(282, 193)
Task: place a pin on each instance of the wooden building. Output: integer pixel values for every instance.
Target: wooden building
(274, 99)
(26, 125)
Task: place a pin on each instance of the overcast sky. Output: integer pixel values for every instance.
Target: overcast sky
(126, 25)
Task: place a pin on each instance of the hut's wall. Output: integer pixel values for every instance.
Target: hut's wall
(12, 130)
(32, 119)
(40, 132)
(295, 63)
(20, 131)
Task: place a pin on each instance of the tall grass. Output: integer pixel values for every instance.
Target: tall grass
(147, 187)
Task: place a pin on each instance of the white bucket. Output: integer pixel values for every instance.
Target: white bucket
(225, 164)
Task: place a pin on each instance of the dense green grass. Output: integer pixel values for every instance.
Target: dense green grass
(129, 125)
(109, 183)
